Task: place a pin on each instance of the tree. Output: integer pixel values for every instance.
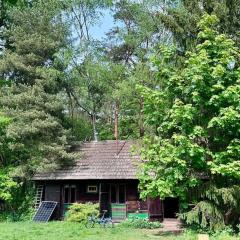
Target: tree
(32, 97)
(4, 150)
(196, 116)
(130, 44)
(84, 73)
(139, 33)
(182, 18)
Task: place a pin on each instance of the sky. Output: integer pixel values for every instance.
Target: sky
(106, 22)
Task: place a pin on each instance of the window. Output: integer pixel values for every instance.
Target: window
(118, 193)
(92, 189)
(69, 193)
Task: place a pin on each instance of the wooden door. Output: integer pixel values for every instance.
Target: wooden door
(155, 209)
(104, 196)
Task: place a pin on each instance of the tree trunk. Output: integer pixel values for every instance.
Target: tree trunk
(141, 118)
(94, 127)
(116, 120)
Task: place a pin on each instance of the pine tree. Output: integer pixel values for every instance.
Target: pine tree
(32, 97)
(182, 19)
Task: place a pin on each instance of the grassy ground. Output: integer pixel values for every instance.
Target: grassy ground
(73, 231)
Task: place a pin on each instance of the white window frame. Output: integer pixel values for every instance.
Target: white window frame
(92, 186)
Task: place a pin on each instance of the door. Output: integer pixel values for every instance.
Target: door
(104, 196)
(118, 202)
(155, 208)
(69, 194)
(171, 207)
(118, 193)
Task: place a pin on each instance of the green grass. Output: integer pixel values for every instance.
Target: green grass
(74, 231)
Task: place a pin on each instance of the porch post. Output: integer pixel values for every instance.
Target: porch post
(100, 189)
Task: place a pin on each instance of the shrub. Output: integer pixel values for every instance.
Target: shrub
(140, 223)
(19, 216)
(79, 212)
(20, 208)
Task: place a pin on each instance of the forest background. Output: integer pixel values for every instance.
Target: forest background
(166, 72)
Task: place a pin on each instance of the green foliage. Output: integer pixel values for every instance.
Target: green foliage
(195, 113)
(182, 19)
(5, 151)
(32, 99)
(79, 212)
(19, 206)
(7, 186)
(18, 216)
(140, 223)
(219, 208)
(205, 214)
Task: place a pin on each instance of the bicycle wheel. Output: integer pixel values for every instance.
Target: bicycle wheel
(109, 223)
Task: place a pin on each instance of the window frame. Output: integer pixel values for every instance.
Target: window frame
(92, 191)
(70, 187)
(117, 193)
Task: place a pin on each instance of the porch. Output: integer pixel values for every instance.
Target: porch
(119, 197)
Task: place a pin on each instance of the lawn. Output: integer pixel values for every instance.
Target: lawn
(73, 231)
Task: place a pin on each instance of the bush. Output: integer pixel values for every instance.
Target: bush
(140, 223)
(20, 208)
(11, 216)
(79, 212)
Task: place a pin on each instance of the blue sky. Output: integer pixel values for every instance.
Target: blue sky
(106, 22)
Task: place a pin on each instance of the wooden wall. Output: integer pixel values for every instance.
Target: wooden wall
(132, 191)
(54, 191)
(82, 194)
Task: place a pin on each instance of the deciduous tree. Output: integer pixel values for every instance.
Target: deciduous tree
(196, 116)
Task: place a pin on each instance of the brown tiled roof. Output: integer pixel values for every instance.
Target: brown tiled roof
(99, 160)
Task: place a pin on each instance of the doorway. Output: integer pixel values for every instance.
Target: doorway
(104, 193)
(171, 207)
(69, 193)
(111, 193)
(118, 193)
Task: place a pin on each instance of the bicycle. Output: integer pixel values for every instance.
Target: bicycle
(103, 221)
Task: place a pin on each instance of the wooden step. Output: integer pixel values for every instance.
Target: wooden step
(171, 225)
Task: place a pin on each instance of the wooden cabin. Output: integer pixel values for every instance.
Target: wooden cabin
(106, 173)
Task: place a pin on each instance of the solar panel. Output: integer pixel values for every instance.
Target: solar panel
(45, 211)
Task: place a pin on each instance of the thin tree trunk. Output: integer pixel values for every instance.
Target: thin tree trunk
(116, 120)
(94, 127)
(141, 118)
(116, 123)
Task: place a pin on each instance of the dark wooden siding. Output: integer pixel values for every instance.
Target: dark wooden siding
(54, 192)
(132, 191)
(82, 194)
(155, 209)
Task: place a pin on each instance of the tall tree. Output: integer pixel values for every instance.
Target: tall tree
(196, 116)
(83, 82)
(131, 42)
(182, 18)
(32, 97)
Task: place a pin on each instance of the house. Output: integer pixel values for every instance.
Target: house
(106, 173)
